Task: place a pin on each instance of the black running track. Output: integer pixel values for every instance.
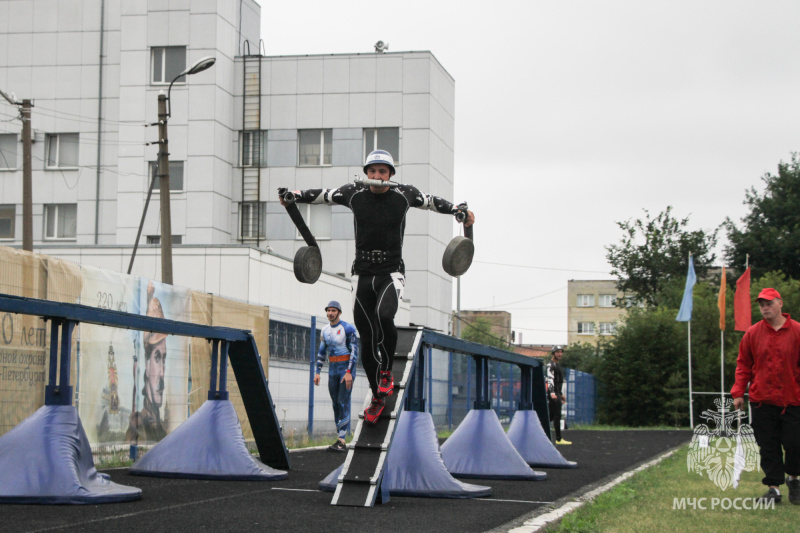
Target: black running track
(295, 504)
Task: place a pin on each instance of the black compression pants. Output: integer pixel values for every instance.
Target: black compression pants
(555, 416)
(377, 298)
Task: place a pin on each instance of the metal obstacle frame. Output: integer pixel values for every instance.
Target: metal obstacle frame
(239, 345)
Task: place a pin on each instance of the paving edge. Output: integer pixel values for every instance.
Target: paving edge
(537, 520)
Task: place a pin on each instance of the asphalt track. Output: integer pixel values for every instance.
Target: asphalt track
(295, 504)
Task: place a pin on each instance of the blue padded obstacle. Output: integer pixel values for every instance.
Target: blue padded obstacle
(208, 445)
(414, 464)
(46, 459)
(528, 437)
(479, 448)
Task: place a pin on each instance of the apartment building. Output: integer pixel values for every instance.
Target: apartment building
(592, 310)
(237, 132)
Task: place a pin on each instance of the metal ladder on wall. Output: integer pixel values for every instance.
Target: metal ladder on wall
(251, 126)
(360, 480)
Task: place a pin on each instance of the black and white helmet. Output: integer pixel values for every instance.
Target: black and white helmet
(380, 157)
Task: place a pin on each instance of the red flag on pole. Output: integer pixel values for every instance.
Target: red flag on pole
(721, 303)
(742, 308)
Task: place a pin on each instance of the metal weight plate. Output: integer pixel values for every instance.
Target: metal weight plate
(457, 256)
(307, 264)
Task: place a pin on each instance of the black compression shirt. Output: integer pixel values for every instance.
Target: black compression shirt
(379, 219)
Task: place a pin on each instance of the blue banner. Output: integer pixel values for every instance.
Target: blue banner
(685, 313)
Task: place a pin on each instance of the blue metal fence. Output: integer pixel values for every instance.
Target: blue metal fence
(581, 397)
(449, 391)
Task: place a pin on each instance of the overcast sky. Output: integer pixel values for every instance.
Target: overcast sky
(572, 115)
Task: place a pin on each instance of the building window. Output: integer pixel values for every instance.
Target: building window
(62, 150)
(60, 221)
(315, 148)
(608, 328)
(8, 214)
(608, 300)
(175, 176)
(382, 139)
(586, 300)
(252, 222)
(318, 219)
(585, 328)
(168, 62)
(8, 151)
(156, 239)
(253, 148)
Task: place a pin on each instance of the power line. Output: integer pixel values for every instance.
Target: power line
(55, 113)
(541, 268)
(488, 333)
(520, 301)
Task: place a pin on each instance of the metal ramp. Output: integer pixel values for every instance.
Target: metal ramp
(362, 473)
(257, 400)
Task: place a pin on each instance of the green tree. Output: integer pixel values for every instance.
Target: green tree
(770, 232)
(581, 356)
(480, 331)
(635, 367)
(654, 250)
(641, 368)
(676, 398)
(788, 288)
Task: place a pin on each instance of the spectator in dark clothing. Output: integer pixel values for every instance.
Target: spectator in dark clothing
(556, 397)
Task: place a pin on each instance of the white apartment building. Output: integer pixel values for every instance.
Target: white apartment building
(237, 132)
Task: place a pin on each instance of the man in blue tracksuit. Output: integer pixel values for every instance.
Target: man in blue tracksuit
(339, 345)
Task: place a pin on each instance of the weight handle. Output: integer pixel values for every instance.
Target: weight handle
(461, 216)
(297, 218)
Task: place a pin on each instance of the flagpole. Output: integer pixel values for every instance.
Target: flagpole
(685, 315)
(691, 410)
(722, 290)
(746, 268)
(722, 370)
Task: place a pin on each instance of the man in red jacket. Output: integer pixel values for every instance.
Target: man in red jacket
(769, 360)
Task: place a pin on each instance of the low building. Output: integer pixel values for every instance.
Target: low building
(500, 322)
(592, 310)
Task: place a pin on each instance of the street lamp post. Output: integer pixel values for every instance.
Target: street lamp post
(164, 112)
(27, 187)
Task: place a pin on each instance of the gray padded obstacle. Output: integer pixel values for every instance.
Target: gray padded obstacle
(479, 448)
(208, 445)
(529, 439)
(46, 459)
(414, 464)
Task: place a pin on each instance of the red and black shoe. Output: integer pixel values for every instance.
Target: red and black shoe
(373, 412)
(386, 384)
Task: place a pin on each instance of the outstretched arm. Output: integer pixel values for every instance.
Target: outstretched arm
(422, 200)
(339, 196)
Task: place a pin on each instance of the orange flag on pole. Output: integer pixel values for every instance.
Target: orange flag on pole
(742, 308)
(721, 303)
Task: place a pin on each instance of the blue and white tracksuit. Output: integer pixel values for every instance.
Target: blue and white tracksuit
(339, 345)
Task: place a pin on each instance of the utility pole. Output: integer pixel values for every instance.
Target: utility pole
(27, 180)
(163, 177)
(27, 187)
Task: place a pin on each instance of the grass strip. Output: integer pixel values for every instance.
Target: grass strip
(651, 501)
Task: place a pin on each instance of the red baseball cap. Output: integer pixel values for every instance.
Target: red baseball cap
(768, 294)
